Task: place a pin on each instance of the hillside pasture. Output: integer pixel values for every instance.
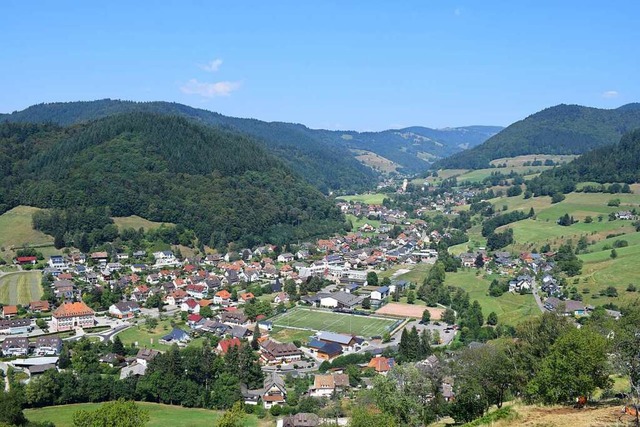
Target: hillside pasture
(521, 160)
(20, 288)
(137, 222)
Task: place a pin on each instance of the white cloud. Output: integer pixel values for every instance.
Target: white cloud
(457, 11)
(209, 90)
(212, 66)
(610, 94)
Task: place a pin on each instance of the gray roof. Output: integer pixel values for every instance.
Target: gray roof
(345, 298)
(333, 337)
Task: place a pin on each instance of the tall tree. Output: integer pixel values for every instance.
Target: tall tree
(120, 413)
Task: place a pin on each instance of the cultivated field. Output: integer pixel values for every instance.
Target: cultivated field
(20, 288)
(320, 320)
(375, 161)
(479, 174)
(409, 310)
(520, 160)
(160, 415)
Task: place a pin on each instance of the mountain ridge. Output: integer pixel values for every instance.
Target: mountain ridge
(560, 129)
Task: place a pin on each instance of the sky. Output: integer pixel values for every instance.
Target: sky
(351, 65)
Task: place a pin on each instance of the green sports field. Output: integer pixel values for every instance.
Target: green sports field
(320, 320)
(20, 288)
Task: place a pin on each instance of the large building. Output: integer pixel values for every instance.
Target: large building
(71, 315)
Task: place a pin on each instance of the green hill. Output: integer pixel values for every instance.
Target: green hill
(322, 157)
(220, 184)
(563, 129)
(617, 163)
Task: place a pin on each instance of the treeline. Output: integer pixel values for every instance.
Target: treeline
(563, 129)
(618, 164)
(490, 225)
(221, 185)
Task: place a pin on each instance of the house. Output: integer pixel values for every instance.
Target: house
(224, 345)
(124, 309)
(326, 385)
(15, 346)
(234, 318)
(274, 391)
(48, 346)
(165, 259)
(135, 370)
(325, 350)
(139, 254)
(57, 262)
(302, 419)
(281, 297)
(624, 215)
(567, 308)
(468, 259)
(195, 320)
(222, 297)
(9, 311)
(347, 342)
(197, 291)
(40, 369)
(245, 297)
(285, 257)
(340, 300)
(71, 315)
(190, 306)
(15, 326)
(23, 260)
(380, 293)
(39, 306)
(381, 364)
(177, 335)
(146, 355)
(100, 257)
(121, 256)
(275, 352)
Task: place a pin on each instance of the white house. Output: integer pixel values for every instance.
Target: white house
(57, 261)
(165, 259)
(381, 293)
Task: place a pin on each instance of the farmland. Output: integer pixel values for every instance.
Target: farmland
(369, 198)
(320, 320)
(160, 415)
(20, 287)
(136, 223)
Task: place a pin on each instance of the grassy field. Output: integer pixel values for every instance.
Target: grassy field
(376, 161)
(136, 222)
(289, 335)
(357, 223)
(520, 160)
(151, 338)
(317, 320)
(369, 198)
(20, 288)
(16, 228)
(160, 415)
(480, 174)
(510, 308)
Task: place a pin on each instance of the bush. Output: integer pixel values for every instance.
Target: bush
(557, 198)
(631, 288)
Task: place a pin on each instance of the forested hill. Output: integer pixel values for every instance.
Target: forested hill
(563, 129)
(325, 158)
(220, 184)
(618, 163)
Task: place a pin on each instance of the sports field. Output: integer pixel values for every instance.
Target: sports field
(410, 310)
(320, 320)
(20, 288)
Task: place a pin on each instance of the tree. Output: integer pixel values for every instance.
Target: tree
(11, 407)
(206, 312)
(613, 254)
(117, 347)
(372, 278)
(449, 316)
(411, 297)
(492, 318)
(366, 303)
(119, 413)
(479, 262)
(575, 366)
(232, 417)
(58, 241)
(426, 316)
(363, 417)
(255, 344)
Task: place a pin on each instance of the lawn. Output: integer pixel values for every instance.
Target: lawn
(137, 222)
(289, 335)
(320, 320)
(510, 308)
(160, 415)
(16, 228)
(368, 198)
(20, 288)
(357, 223)
(151, 338)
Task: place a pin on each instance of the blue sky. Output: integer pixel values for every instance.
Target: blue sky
(363, 65)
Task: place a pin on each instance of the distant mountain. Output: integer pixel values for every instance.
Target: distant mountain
(563, 129)
(222, 185)
(327, 159)
(617, 163)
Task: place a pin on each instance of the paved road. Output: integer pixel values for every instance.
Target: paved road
(536, 295)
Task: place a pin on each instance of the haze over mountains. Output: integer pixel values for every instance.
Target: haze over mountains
(562, 129)
(326, 159)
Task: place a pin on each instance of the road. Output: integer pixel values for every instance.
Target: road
(536, 295)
